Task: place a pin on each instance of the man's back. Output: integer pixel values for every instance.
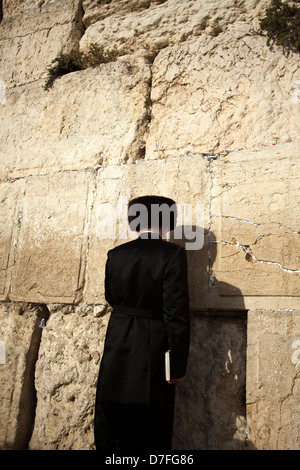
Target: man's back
(146, 284)
(135, 272)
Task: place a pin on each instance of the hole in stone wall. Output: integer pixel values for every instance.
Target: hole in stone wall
(141, 153)
(1, 10)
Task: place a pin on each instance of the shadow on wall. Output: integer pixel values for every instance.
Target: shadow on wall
(210, 408)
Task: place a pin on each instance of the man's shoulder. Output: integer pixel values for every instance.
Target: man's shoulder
(122, 246)
(158, 244)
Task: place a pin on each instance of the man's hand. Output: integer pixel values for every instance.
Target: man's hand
(176, 381)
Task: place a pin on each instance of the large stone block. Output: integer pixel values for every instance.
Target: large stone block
(144, 27)
(19, 343)
(211, 94)
(66, 377)
(273, 392)
(31, 36)
(50, 259)
(255, 221)
(87, 119)
(94, 12)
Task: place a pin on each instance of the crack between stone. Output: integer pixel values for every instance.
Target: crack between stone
(289, 395)
(145, 121)
(250, 256)
(28, 398)
(235, 218)
(211, 277)
(42, 324)
(12, 179)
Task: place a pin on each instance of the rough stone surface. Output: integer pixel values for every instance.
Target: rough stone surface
(66, 377)
(19, 339)
(210, 404)
(31, 36)
(198, 108)
(52, 242)
(144, 27)
(273, 388)
(212, 94)
(256, 225)
(88, 119)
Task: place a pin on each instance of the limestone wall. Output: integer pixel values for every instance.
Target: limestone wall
(197, 108)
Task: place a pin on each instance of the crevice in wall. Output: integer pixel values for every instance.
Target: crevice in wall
(145, 122)
(148, 108)
(79, 20)
(78, 29)
(1, 10)
(149, 99)
(28, 399)
(210, 238)
(250, 257)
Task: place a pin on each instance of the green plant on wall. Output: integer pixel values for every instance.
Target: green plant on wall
(74, 61)
(282, 25)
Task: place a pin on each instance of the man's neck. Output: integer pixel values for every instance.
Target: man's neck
(152, 230)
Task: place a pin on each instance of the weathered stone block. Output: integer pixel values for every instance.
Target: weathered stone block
(94, 12)
(255, 214)
(19, 7)
(87, 119)
(273, 392)
(206, 97)
(144, 27)
(19, 337)
(50, 260)
(66, 378)
(32, 36)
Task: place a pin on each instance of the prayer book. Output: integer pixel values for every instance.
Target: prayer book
(167, 366)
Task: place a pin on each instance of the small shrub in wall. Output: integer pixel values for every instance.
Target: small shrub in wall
(282, 25)
(74, 61)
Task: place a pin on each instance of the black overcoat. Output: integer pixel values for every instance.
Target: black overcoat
(146, 284)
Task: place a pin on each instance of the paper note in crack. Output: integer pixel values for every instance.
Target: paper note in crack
(2, 352)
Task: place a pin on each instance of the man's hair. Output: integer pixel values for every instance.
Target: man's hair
(152, 211)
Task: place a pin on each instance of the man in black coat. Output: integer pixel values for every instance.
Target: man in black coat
(146, 284)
